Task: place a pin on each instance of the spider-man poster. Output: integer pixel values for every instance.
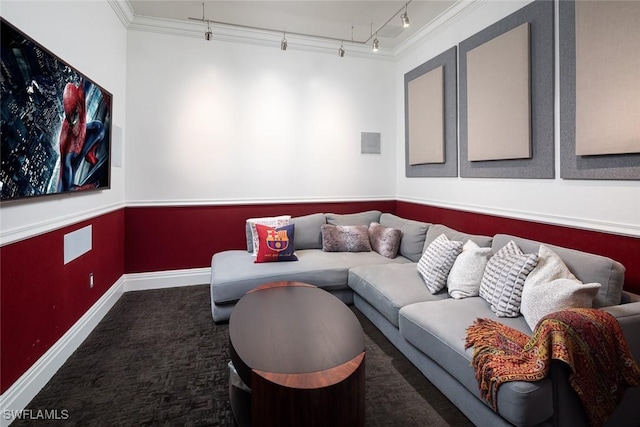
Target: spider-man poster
(55, 123)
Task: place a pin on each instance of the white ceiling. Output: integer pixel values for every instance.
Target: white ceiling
(332, 19)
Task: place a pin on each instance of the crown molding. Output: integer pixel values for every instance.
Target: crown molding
(123, 10)
(445, 20)
(225, 33)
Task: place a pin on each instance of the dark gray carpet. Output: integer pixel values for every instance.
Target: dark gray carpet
(157, 358)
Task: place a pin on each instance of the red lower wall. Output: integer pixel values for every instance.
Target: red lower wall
(173, 238)
(42, 298)
(623, 249)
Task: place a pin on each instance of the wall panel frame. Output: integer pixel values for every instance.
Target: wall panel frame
(448, 168)
(572, 166)
(540, 16)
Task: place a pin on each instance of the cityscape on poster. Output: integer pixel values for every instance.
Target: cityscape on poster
(55, 123)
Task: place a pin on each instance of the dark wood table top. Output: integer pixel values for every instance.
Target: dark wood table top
(290, 330)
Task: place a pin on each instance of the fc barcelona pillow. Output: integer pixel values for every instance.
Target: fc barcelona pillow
(275, 244)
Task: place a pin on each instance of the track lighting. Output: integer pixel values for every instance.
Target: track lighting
(208, 34)
(284, 44)
(405, 17)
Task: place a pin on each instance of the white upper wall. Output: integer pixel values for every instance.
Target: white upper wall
(222, 122)
(603, 205)
(90, 37)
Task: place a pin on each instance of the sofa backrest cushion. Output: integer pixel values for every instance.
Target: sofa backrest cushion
(414, 234)
(362, 218)
(588, 268)
(437, 229)
(308, 234)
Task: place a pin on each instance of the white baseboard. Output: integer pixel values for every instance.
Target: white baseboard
(166, 279)
(18, 396)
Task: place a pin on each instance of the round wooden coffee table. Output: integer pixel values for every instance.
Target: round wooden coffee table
(301, 351)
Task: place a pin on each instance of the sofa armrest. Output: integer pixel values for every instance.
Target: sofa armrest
(629, 297)
(628, 316)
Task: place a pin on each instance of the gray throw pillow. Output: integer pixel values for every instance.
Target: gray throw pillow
(504, 277)
(436, 262)
(467, 271)
(308, 231)
(384, 240)
(362, 218)
(345, 238)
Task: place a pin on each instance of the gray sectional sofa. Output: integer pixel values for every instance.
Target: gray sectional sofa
(430, 329)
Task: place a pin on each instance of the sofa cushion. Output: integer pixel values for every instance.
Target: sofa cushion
(438, 329)
(252, 235)
(437, 229)
(308, 234)
(385, 240)
(587, 267)
(275, 244)
(504, 277)
(414, 234)
(390, 287)
(345, 238)
(436, 262)
(467, 271)
(362, 218)
(233, 273)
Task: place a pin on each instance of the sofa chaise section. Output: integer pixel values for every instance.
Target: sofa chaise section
(234, 273)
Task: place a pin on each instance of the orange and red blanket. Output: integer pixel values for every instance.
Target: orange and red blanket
(590, 341)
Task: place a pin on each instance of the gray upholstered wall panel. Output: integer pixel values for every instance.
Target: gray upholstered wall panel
(614, 166)
(447, 60)
(540, 15)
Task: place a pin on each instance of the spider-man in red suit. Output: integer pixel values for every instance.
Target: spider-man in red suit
(78, 139)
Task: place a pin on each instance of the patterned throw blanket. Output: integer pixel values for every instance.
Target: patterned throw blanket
(590, 341)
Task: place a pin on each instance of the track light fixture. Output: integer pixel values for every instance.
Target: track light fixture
(284, 44)
(405, 17)
(208, 33)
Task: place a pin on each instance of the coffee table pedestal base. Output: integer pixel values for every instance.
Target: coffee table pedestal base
(313, 400)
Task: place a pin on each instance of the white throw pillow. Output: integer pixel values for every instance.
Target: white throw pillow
(436, 262)
(550, 267)
(468, 268)
(552, 287)
(548, 297)
(504, 277)
(274, 222)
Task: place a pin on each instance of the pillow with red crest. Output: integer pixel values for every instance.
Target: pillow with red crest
(275, 244)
